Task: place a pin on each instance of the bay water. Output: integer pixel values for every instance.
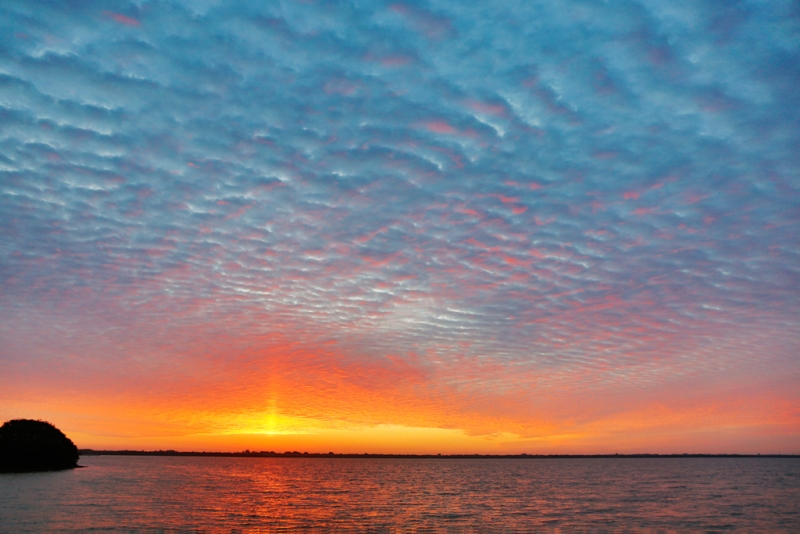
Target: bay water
(140, 493)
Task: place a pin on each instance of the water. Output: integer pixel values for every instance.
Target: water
(274, 494)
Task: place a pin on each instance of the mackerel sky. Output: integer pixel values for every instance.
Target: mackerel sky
(552, 224)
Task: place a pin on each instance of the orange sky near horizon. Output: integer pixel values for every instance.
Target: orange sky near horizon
(288, 396)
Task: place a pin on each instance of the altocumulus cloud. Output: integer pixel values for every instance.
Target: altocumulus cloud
(487, 200)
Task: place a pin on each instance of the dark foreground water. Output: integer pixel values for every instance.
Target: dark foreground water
(272, 494)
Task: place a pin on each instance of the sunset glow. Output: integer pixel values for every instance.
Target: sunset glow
(541, 227)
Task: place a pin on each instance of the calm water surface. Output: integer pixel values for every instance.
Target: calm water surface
(273, 494)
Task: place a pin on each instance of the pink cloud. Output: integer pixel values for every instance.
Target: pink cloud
(488, 109)
(533, 186)
(664, 181)
(466, 211)
(504, 199)
(516, 262)
(694, 198)
(122, 19)
(440, 127)
(238, 213)
(644, 211)
(597, 232)
(368, 237)
(383, 260)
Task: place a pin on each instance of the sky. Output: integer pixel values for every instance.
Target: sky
(448, 226)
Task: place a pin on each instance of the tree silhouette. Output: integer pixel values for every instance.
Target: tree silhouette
(28, 445)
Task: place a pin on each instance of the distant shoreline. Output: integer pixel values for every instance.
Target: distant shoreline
(295, 454)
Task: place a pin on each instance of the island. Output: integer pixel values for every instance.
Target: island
(27, 445)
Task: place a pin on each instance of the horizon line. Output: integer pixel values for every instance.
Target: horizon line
(296, 454)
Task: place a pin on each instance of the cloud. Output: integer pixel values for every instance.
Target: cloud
(524, 195)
